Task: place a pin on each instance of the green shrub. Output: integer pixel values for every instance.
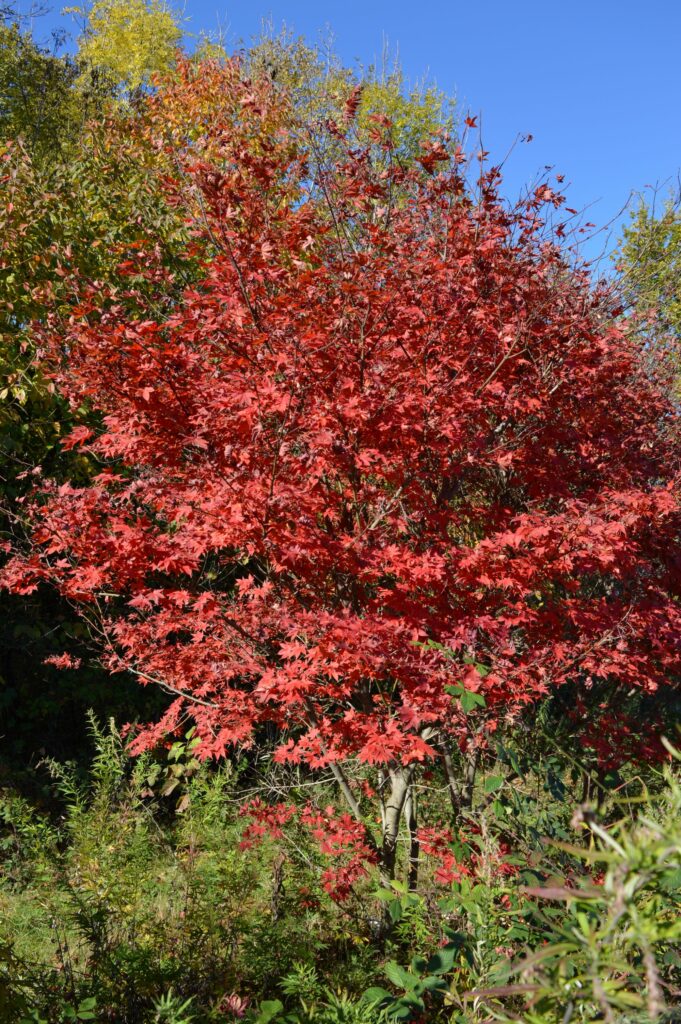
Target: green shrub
(124, 901)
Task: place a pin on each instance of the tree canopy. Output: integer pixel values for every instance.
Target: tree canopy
(383, 464)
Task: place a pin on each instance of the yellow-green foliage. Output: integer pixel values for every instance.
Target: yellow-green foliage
(415, 113)
(37, 102)
(319, 86)
(128, 40)
(86, 215)
(649, 262)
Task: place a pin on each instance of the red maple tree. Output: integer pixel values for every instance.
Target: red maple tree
(390, 460)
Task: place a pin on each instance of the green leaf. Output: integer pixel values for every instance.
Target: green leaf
(492, 783)
(443, 960)
(395, 911)
(270, 1009)
(509, 757)
(399, 976)
(431, 983)
(470, 700)
(671, 880)
(411, 1001)
(376, 995)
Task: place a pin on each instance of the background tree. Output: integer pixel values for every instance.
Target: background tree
(37, 100)
(649, 262)
(94, 214)
(79, 195)
(319, 85)
(127, 41)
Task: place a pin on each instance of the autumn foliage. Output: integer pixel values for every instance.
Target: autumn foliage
(391, 450)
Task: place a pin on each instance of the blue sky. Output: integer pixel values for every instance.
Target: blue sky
(597, 84)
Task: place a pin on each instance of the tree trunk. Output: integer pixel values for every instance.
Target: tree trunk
(472, 762)
(400, 784)
(414, 845)
(460, 795)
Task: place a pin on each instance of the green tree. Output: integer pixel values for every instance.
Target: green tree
(320, 86)
(649, 263)
(95, 209)
(37, 100)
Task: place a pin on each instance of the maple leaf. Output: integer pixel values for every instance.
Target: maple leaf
(77, 437)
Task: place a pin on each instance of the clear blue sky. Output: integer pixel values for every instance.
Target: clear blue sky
(596, 82)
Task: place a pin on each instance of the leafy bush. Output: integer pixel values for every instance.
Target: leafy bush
(586, 930)
(123, 901)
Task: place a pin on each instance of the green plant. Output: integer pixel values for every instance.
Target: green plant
(317, 1004)
(587, 930)
(419, 984)
(171, 1009)
(614, 948)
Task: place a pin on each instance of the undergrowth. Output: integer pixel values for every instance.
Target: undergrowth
(130, 899)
